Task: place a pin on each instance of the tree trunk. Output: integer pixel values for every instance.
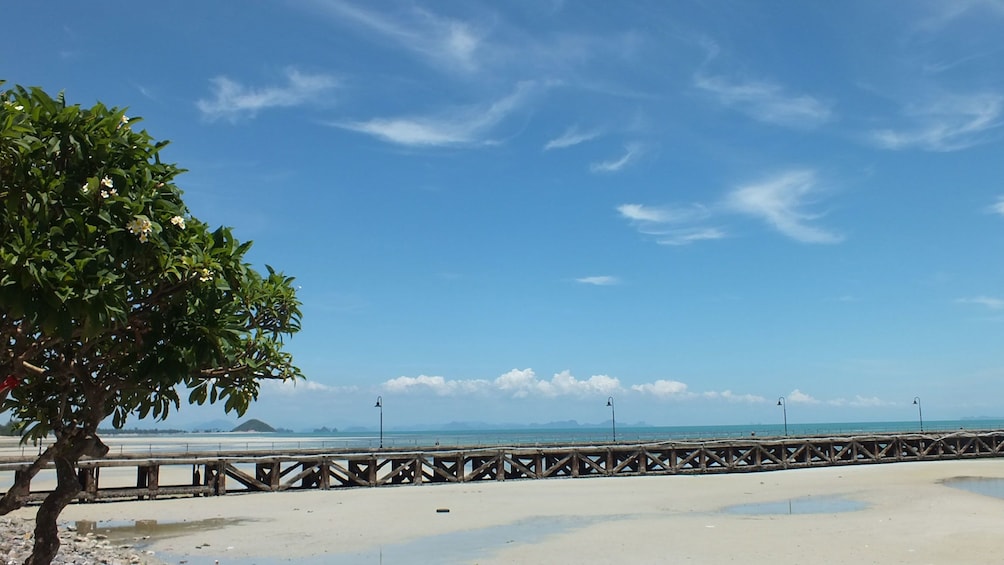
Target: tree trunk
(17, 495)
(46, 530)
(69, 449)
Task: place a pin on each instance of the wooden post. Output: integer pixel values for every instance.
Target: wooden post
(221, 479)
(324, 469)
(88, 482)
(216, 478)
(142, 479)
(153, 480)
(275, 476)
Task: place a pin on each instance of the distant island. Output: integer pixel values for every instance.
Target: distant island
(253, 425)
(141, 431)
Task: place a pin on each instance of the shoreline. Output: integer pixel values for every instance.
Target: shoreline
(904, 514)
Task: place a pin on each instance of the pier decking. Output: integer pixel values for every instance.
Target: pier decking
(222, 472)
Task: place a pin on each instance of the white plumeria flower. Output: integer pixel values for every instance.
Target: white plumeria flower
(10, 104)
(141, 227)
(86, 188)
(107, 182)
(178, 221)
(205, 275)
(125, 119)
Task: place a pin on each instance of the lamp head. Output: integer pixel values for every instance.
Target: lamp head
(379, 402)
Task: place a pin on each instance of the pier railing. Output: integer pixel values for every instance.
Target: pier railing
(221, 472)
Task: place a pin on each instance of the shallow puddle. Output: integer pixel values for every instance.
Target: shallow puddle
(129, 530)
(456, 547)
(987, 486)
(804, 505)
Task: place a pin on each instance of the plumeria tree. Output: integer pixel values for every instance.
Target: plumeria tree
(114, 300)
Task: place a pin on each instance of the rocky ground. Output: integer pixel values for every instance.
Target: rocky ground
(16, 538)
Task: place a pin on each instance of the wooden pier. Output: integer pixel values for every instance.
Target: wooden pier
(219, 473)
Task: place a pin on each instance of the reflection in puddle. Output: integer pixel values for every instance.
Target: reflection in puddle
(123, 530)
(987, 486)
(458, 547)
(804, 505)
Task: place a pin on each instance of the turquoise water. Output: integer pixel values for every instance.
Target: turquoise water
(458, 547)
(201, 442)
(803, 505)
(987, 486)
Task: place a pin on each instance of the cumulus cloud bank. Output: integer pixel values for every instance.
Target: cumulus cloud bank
(524, 383)
(517, 383)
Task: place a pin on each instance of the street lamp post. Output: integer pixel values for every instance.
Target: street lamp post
(920, 412)
(379, 404)
(784, 410)
(613, 417)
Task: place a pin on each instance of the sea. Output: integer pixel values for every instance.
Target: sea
(521, 437)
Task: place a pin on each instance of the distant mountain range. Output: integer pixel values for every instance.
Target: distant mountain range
(255, 425)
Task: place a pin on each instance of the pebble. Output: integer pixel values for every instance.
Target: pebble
(17, 537)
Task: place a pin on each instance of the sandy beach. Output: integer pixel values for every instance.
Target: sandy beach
(890, 513)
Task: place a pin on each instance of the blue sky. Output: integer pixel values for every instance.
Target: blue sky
(509, 211)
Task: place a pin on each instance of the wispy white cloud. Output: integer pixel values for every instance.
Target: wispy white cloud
(603, 280)
(798, 397)
(643, 213)
(943, 66)
(441, 42)
(146, 91)
(781, 201)
(631, 153)
(571, 136)
(998, 207)
(949, 124)
(662, 388)
(942, 14)
(233, 101)
(868, 402)
(730, 396)
(664, 214)
(669, 225)
(986, 301)
(767, 102)
(687, 236)
(459, 126)
(858, 401)
(305, 387)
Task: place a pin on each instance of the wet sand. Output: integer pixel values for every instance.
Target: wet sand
(889, 513)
